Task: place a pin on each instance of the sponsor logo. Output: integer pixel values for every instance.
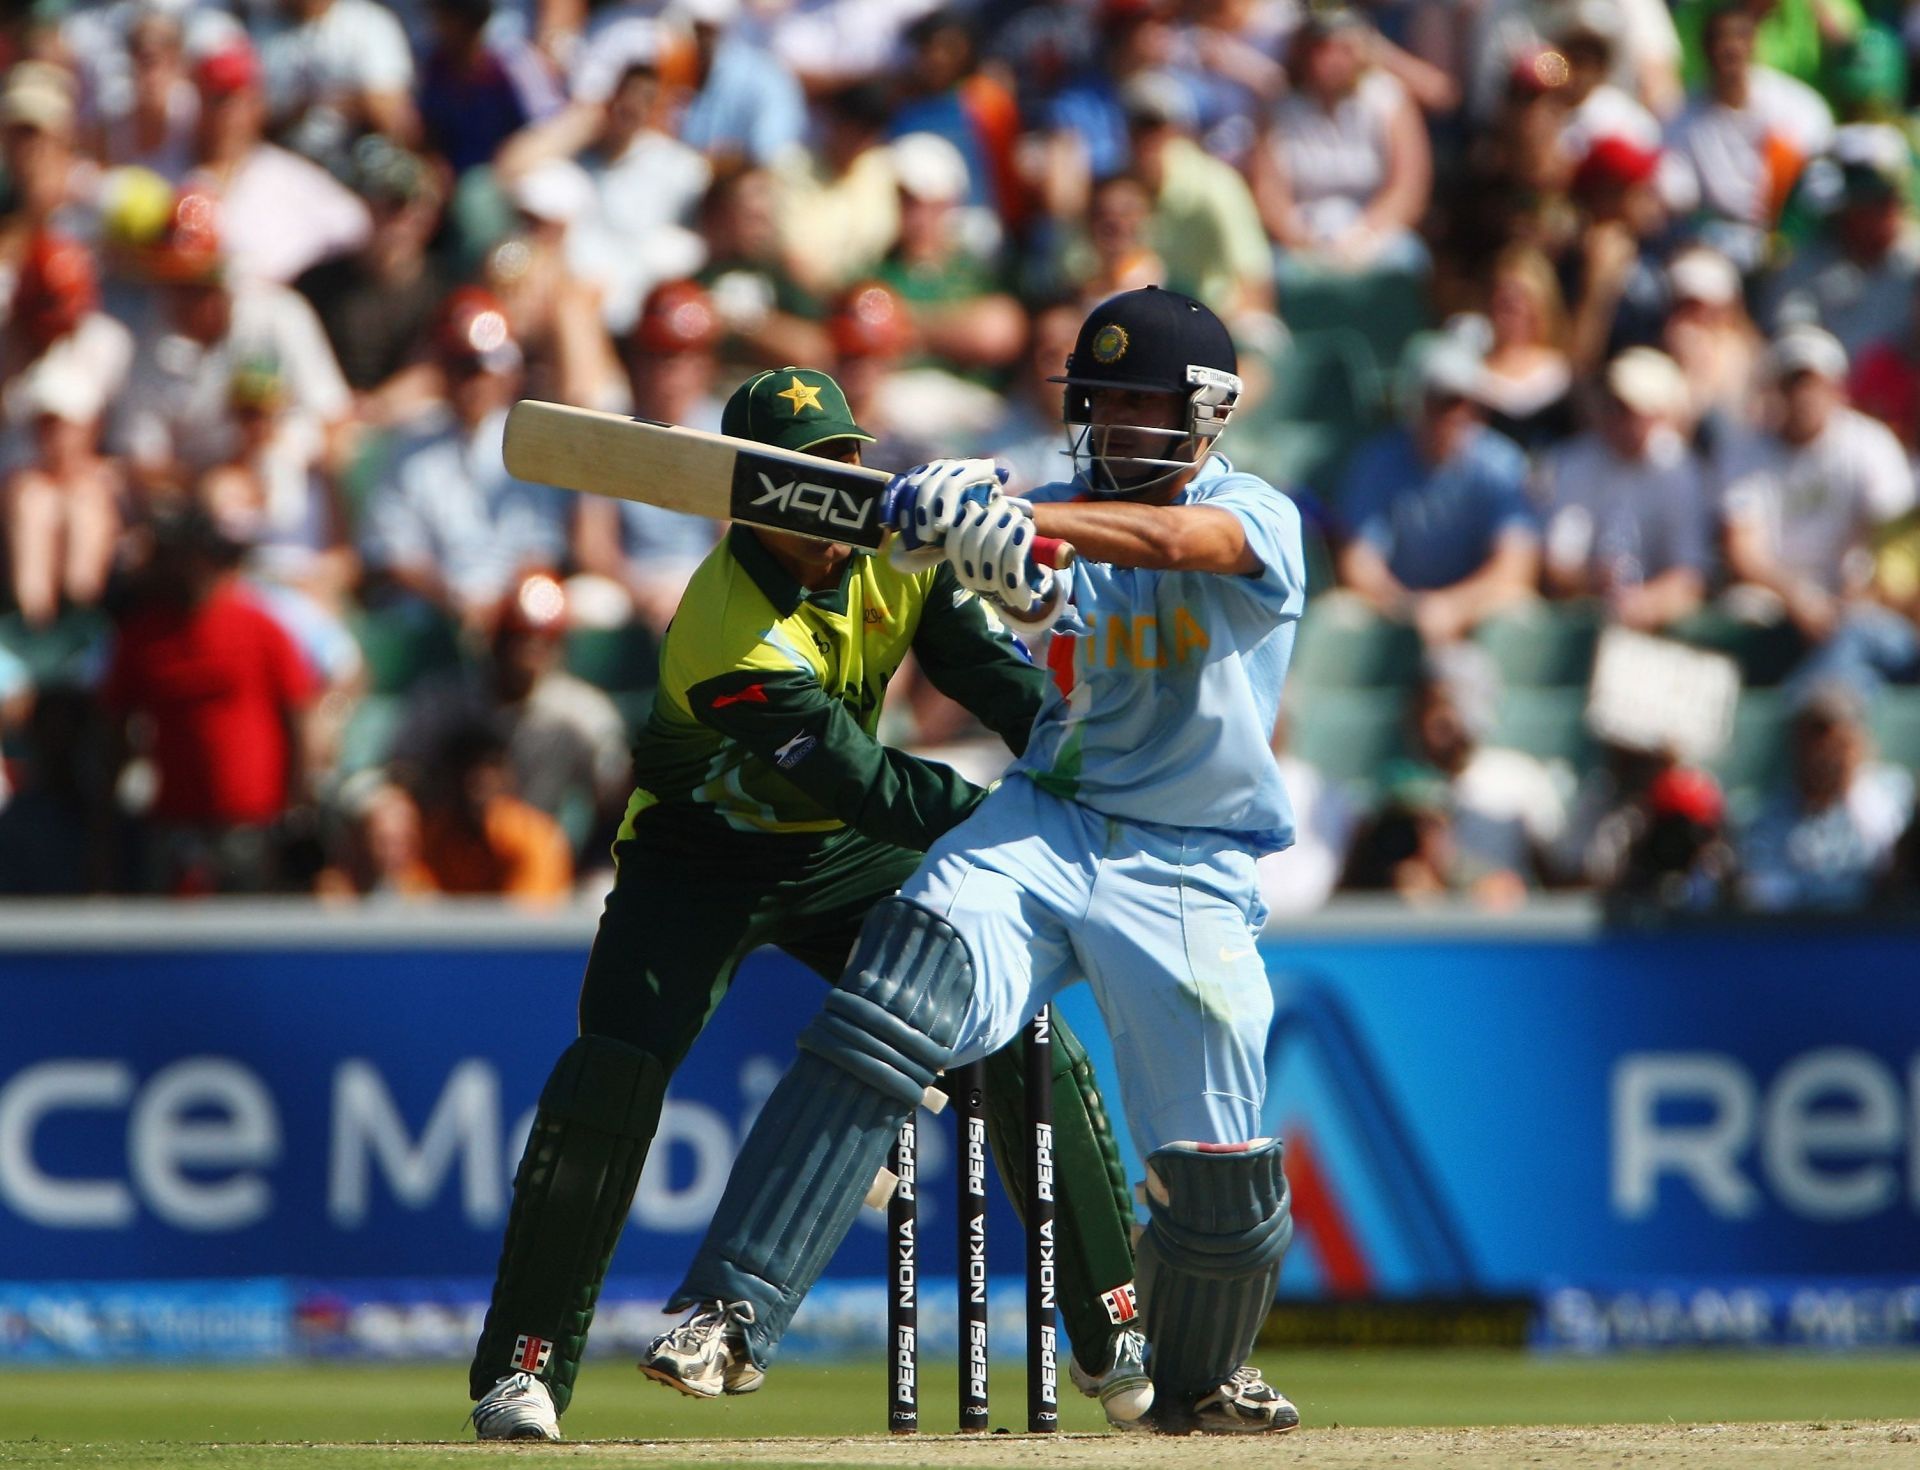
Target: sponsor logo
(977, 1263)
(1121, 1304)
(794, 751)
(1049, 1366)
(752, 694)
(530, 1354)
(977, 1361)
(977, 1157)
(905, 1285)
(1043, 1160)
(770, 492)
(1046, 1266)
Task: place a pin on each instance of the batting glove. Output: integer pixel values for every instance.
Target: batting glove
(991, 552)
(924, 505)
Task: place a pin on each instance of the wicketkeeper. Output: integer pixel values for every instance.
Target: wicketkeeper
(766, 812)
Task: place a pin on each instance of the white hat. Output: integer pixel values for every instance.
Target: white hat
(1647, 381)
(609, 54)
(558, 191)
(930, 168)
(717, 13)
(1448, 364)
(1807, 349)
(1704, 275)
(54, 388)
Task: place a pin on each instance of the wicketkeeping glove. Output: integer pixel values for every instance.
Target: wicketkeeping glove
(924, 505)
(991, 552)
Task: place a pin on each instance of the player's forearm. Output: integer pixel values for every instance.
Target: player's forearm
(1158, 538)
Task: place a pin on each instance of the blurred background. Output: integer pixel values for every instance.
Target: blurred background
(1585, 333)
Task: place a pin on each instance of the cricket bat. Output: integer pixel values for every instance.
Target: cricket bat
(709, 475)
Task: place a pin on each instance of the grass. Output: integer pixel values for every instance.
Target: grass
(121, 1407)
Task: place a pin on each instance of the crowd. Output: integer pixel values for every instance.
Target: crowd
(1560, 318)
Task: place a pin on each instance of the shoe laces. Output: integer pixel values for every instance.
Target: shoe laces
(723, 1315)
(513, 1386)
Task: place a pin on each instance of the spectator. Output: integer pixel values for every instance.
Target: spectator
(1797, 37)
(1526, 378)
(1324, 821)
(1885, 382)
(336, 69)
(56, 324)
(768, 318)
(1618, 283)
(746, 106)
(1643, 54)
(478, 89)
(1626, 503)
(447, 524)
(1709, 334)
(151, 122)
(1746, 137)
(1406, 846)
(1802, 501)
(62, 507)
(1346, 171)
(1118, 254)
(36, 148)
(554, 313)
(634, 231)
(381, 852)
(871, 335)
(1206, 227)
(645, 551)
(1856, 277)
(477, 837)
(1028, 440)
(1597, 106)
(1678, 859)
(280, 213)
(839, 206)
(1515, 172)
(203, 677)
(61, 832)
(1442, 534)
(175, 423)
(946, 92)
(377, 303)
(1824, 842)
(961, 319)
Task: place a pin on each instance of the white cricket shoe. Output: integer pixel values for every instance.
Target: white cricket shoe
(517, 1407)
(706, 1355)
(1124, 1390)
(1245, 1404)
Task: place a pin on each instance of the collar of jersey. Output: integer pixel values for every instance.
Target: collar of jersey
(777, 583)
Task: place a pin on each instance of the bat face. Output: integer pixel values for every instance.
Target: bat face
(822, 499)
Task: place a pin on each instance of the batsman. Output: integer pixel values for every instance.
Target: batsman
(767, 813)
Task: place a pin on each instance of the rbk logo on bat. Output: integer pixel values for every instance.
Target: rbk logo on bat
(768, 492)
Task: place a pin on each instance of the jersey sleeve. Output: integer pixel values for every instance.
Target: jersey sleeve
(1271, 522)
(790, 722)
(972, 658)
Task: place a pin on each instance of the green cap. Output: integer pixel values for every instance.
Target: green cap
(790, 408)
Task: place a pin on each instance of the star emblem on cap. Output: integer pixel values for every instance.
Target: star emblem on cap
(802, 395)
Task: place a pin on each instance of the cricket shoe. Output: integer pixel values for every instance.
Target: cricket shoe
(517, 1407)
(1245, 1404)
(1124, 1390)
(706, 1355)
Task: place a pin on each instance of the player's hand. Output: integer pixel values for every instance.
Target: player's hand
(991, 552)
(924, 505)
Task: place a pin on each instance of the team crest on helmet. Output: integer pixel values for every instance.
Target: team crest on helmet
(1110, 343)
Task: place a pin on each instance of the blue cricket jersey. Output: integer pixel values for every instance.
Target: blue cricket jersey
(1162, 710)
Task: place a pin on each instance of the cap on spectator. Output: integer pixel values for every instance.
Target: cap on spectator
(386, 173)
(678, 317)
(472, 329)
(233, 67)
(188, 249)
(1615, 163)
(1700, 273)
(56, 287)
(1157, 99)
(790, 408)
(557, 192)
(1806, 349)
(870, 321)
(1829, 702)
(629, 44)
(1598, 18)
(1874, 160)
(1536, 70)
(537, 605)
(929, 168)
(1326, 19)
(1648, 382)
(38, 95)
(716, 13)
(1444, 366)
(58, 388)
(1688, 793)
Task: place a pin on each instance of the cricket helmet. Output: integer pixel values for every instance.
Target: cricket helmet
(1148, 341)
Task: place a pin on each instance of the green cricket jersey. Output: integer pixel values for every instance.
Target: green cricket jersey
(770, 695)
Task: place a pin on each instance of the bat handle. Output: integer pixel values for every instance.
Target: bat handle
(1052, 552)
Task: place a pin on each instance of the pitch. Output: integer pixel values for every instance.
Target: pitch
(1407, 1409)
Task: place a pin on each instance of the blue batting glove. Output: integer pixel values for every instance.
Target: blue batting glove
(925, 503)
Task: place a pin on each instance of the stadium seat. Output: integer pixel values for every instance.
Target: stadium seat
(371, 729)
(1766, 652)
(1549, 724)
(1348, 733)
(1546, 645)
(1344, 645)
(1896, 726)
(1755, 760)
(1387, 309)
(625, 659)
(404, 642)
(68, 650)
(1319, 399)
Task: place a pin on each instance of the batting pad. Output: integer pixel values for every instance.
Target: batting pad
(1218, 1226)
